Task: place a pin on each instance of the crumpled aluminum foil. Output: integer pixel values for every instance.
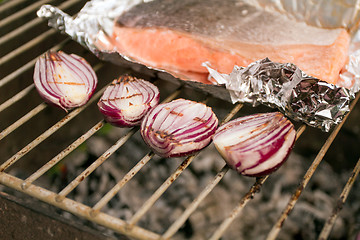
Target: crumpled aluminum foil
(286, 87)
(95, 19)
(283, 86)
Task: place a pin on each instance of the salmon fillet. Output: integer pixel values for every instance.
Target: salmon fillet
(178, 36)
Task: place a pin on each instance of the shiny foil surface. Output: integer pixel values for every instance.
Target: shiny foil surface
(284, 86)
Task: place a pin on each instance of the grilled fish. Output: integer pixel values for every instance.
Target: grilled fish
(179, 36)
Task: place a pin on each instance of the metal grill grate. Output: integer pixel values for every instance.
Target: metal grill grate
(21, 71)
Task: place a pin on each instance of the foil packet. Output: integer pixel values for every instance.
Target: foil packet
(284, 86)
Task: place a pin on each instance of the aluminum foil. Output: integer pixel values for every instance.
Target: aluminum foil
(95, 19)
(319, 13)
(286, 87)
(283, 86)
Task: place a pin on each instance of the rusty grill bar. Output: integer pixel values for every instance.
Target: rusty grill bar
(94, 213)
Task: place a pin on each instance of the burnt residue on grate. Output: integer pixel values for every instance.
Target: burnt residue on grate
(254, 221)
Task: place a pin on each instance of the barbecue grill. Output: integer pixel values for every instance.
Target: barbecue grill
(37, 138)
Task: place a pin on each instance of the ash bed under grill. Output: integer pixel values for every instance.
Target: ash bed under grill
(107, 179)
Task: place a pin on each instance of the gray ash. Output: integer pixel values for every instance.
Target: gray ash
(256, 219)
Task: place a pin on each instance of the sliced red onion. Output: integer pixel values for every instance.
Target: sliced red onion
(126, 101)
(256, 145)
(178, 128)
(66, 81)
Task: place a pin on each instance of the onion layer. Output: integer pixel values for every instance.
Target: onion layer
(66, 81)
(256, 145)
(126, 101)
(178, 128)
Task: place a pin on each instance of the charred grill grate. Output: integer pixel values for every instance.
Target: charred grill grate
(17, 60)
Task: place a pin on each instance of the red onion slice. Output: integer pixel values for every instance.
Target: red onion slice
(63, 80)
(256, 145)
(126, 101)
(178, 128)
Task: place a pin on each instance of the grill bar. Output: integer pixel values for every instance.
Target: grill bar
(101, 159)
(278, 225)
(157, 194)
(10, 4)
(95, 165)
(94, 213)
(248, 196)
(77, 208)
(23, 12)
(16, 97)
(109, 195)
(32, 24)
(62, 154)
(340, 203)
(28, 65)
(22, 120)
(11, 35)
(232, 113)
(29, 45)
(194, 204)
(192, 207)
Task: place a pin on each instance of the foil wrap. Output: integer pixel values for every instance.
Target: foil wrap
(95, 19)
(326, 14)
(286, 87)
(283, 86)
